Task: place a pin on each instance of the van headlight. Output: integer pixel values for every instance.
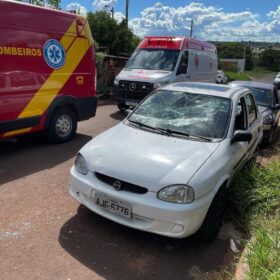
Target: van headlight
(268, 119)
(158, 85)
(81, 164)
(177, 194)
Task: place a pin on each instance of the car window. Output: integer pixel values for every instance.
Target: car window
(185, 112)
(240, 122)
(251, 108)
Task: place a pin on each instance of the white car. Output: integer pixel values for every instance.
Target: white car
(221, 77)
(165, 168)
(276, 81)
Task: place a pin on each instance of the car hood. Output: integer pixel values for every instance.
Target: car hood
(264, 110)
(151, 76)
(144, 158)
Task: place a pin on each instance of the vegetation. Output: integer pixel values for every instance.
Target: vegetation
(270, 59)
(237, 51)
(255, 204)
(233, 76)
(111, 34)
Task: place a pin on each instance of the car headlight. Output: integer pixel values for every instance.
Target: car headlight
(177, 194)
(158, 85)
(268, 119)
(81, 164)
(116, 82)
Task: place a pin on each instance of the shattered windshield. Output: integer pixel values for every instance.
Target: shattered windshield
(187, 113)
(153, 59)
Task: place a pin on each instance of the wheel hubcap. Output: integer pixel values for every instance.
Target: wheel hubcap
(64, 125)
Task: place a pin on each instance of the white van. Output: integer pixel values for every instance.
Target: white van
(158, 61)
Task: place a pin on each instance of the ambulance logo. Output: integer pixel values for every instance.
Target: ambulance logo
(54, 54)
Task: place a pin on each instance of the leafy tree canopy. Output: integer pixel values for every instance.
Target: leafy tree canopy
(270, 59)
(109, 33)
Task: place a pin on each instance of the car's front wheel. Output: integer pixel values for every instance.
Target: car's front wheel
(213, 220)
(63, 125)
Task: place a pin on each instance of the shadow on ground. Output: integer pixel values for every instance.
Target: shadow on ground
(117, 252)
(119, 116)
(31, 154)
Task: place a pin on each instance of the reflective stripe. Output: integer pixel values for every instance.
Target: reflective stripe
(76, 48)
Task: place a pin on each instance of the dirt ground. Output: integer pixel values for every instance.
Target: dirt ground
(45, 234)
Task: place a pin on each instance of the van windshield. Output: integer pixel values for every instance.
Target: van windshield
(153, 59)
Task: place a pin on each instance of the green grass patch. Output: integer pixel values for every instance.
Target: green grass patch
(233, 76)
(254, 202)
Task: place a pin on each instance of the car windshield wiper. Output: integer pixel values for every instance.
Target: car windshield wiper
(148, 126)
(170, 132)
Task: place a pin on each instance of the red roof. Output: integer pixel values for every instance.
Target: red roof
(176, 43)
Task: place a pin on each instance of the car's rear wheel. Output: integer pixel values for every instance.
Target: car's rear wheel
(63, 125)
(213, 220)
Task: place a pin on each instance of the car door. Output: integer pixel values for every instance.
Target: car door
(276, 101)
(254, 125)
(238, 150)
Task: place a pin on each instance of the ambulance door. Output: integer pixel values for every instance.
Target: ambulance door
(182, 70)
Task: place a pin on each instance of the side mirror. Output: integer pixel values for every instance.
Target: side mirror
(241, 136)
(276, 107)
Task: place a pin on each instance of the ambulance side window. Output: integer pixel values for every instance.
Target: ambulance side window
(183, 66)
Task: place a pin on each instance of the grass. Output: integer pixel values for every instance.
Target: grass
(257, 72)
(255, 204)
(233, 76)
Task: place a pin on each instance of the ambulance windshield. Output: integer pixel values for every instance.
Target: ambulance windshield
(153, 59)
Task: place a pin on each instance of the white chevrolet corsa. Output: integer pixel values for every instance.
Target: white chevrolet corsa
(165, 168)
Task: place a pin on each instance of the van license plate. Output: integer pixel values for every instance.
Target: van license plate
(113, 205)
(131, 103)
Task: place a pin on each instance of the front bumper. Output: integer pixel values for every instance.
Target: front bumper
(148, 212)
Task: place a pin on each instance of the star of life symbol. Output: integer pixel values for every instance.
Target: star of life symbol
(54, 54)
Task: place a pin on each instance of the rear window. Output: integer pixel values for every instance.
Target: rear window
(263, 96)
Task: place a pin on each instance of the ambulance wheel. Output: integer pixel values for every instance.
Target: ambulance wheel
(122, 107)
(63, 125)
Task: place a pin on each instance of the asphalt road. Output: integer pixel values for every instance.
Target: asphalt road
(45, 234)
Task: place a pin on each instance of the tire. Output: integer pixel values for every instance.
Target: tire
(63, 125)
(267, 141)
(122, 107)
(213, 220)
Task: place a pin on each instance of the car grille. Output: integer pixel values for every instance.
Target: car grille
(135, 90)
(125, 186)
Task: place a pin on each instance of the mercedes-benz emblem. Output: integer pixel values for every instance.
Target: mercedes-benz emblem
(117, 185)
(132, 87)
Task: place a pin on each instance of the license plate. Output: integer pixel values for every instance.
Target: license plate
(113, 205)
(130, 103)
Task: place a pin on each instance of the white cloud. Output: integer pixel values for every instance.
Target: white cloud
(119, 16)
(210, 23)
(78, 8)
(275, 14)
(104, 5)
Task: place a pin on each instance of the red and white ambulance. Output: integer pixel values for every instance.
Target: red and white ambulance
(158, 61)
(47, 71)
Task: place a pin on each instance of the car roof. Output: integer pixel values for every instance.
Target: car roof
(250, 84)
(205, 88)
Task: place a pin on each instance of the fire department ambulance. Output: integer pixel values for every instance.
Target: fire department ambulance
(47, 71)
(158, 61)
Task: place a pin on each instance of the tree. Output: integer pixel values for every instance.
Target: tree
(270, 59)
(109, 33)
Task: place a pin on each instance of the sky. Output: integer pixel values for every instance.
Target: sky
(215, 20)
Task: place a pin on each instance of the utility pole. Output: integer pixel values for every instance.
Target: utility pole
(191, 31)
(126, 12)
(113, 12)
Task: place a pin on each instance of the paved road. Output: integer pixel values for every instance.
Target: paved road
(45, 234)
